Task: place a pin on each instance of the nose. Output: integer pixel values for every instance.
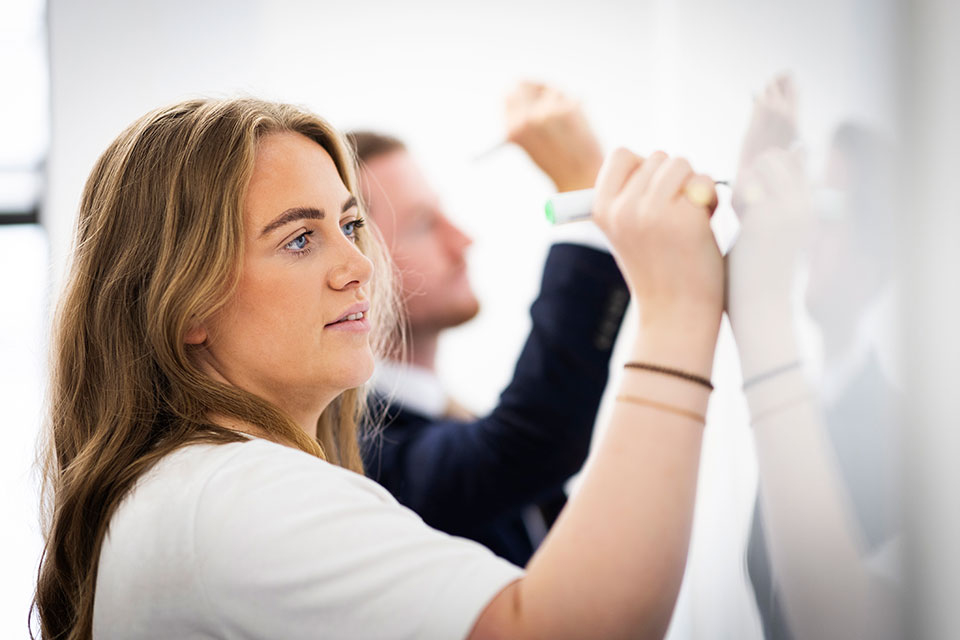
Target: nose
(457, 240)
(352, 270)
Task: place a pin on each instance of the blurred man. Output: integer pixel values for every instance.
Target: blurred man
(497, 479)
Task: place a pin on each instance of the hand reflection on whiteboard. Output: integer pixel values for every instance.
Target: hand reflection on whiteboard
(825, 523)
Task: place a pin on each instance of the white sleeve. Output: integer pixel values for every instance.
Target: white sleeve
(288, 546)
(584, 233)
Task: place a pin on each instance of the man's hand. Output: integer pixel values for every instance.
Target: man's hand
(554, 132)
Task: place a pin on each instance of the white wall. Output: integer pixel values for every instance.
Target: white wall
(931, 315)
(672, 75)
(23, 304)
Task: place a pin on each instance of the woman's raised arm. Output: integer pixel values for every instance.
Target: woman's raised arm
(612, 565)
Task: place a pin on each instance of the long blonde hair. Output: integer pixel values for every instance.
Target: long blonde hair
(158, 247)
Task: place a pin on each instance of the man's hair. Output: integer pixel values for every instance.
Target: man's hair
(367, 145)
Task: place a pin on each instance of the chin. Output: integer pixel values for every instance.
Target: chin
(447, 318)
(359, 370)
(455, 312)
(467, 312)
(462, 309)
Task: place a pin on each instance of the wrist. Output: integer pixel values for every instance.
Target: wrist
(575, 182)
(674, 389)
(577, 174)
(772, 315)
(757, 363)
(763, 349)
(687, 347)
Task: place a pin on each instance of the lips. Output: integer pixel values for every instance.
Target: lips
(353, 313)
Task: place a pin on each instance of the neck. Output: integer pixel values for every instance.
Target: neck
(422, 348)
(307, 420)
(305, 415)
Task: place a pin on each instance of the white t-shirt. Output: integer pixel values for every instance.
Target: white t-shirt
(258, 540)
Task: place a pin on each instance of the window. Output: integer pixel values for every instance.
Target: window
(24, 111)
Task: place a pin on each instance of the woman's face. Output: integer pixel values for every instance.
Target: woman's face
(291, 333)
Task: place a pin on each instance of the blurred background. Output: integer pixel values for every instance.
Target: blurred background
(675, 75)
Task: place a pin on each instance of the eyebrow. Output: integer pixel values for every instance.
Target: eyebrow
(303, 213)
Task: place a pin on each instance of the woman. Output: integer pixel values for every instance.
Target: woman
(209, 354)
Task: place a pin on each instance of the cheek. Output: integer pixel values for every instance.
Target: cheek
(387, 230)
(270, 317)
(421, 261)
(266, 300)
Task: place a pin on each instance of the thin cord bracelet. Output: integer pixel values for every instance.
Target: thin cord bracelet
(662, 406)
(780, 407)
(676, 373)
(773, 373)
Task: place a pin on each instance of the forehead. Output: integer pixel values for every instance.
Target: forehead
(394, 179)
(291, 170)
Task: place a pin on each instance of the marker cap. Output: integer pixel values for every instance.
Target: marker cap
(570, 206)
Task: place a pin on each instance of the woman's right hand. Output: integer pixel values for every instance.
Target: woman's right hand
(656, 214)
(620, 580)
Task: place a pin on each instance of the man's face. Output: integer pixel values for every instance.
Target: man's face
(428, 249)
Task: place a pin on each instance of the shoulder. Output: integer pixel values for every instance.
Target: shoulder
(244, 471)
(260, 467)
(291, 542)
(197, 517)
(260, 540)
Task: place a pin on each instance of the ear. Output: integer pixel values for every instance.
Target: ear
(196, 333)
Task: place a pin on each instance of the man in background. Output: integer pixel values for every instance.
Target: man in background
(499, 478)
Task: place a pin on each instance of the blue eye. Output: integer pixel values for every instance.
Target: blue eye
(298, 244)
(350, 228)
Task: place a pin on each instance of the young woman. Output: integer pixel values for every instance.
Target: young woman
(209, 357)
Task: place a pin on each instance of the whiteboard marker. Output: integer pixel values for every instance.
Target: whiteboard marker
(573, 206)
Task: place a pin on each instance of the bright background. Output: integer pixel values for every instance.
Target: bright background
(652, 75)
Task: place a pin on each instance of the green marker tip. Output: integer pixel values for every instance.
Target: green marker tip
(551, 216)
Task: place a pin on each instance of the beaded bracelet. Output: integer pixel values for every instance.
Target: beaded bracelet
(683, 375)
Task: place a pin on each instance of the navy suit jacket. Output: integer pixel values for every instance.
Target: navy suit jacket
(473, 479)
